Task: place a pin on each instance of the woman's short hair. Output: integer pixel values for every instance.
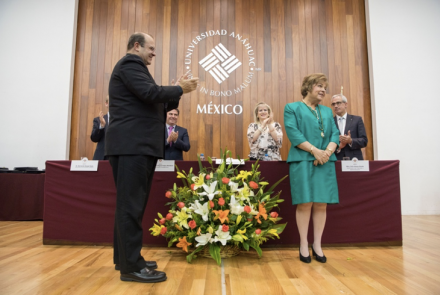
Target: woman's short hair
(311, 80)
(256, 119)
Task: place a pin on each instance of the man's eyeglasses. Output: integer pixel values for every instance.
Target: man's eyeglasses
(337, 103)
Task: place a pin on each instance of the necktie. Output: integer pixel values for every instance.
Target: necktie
(341, 125)
(170, 129)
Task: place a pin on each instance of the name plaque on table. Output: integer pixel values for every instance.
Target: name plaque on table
(355, 166)
(229, 160)
(164, 166)
(84, 165)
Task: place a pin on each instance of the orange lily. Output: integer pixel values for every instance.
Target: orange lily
(262, 212)
(183, 244)
(222, 215)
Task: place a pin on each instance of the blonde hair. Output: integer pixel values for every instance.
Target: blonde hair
(256, 119)
(311, 80)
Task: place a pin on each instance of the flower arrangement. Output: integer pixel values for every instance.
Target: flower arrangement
(218, 207)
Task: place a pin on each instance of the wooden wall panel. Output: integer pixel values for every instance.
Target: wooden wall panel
(289, 39)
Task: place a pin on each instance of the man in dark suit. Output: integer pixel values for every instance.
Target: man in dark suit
(351, 129)
(177, 137)
(100, 124)
(134, 142)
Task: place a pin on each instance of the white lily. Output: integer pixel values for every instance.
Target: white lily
(210, 190)
(204, 239)
(234, 187)
(222, 237)
(235, 206)
(201, 209)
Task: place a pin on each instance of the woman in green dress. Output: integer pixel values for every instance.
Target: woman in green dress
(314, 136)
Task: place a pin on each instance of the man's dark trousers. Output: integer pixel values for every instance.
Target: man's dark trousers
(133, 176)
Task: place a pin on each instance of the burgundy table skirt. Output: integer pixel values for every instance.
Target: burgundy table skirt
(79, 206)
(21, 196)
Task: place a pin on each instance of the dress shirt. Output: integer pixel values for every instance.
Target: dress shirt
(344, 122)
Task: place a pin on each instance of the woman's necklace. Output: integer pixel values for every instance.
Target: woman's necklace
(315, 113)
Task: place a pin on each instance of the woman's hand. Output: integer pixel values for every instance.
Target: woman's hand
(321, 157)
(270, 119)
(268, 122)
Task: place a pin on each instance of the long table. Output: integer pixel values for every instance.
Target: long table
(79, 206)
(21, 196)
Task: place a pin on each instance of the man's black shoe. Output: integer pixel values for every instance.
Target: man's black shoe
(145, 275)
(148, 264)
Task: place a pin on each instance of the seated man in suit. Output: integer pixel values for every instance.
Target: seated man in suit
(351, 129)
(177, 139)
(100, 124)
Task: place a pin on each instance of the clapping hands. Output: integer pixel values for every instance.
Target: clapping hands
(267, 121)
(186, 83)
(101, 119)
(173, 137)
(345, 139)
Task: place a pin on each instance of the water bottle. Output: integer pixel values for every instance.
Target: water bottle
(202, 157)
(266, 157)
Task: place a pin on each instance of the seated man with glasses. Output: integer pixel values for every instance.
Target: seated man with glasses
(351, 129)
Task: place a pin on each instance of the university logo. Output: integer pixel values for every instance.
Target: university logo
(220, 63)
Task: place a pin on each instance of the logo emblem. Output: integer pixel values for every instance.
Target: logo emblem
(220, 63)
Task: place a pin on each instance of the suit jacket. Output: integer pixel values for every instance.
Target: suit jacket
(138, 107)
(302, 126)
(98, 135)
(358, 135)
(174, 152)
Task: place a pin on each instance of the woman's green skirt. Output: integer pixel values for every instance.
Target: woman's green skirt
(310, 183)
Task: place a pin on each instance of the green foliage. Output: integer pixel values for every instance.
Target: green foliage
(214, 250)
(192, 255)
(257, 248)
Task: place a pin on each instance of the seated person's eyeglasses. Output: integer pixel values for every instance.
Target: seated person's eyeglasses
(336, 103)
